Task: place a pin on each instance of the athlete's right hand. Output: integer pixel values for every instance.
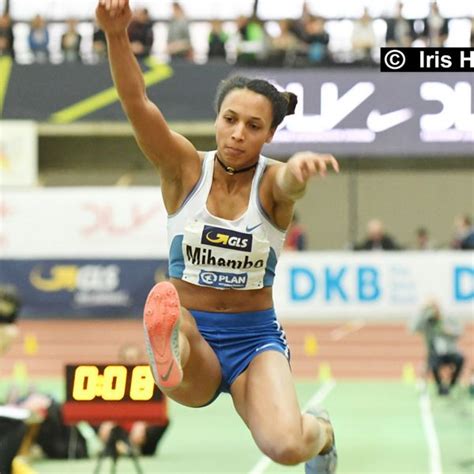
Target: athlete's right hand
(113, 16)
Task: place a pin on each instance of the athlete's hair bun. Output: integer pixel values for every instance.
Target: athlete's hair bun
(292, 100)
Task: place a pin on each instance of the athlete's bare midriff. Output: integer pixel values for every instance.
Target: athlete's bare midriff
(227, 301)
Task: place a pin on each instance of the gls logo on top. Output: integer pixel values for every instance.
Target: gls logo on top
(222, 280)
(226, 238)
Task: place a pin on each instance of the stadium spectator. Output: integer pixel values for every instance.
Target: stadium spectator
(423, 241)
(399, 31)
(285, 46)
(317, 40)
(6, 36)
(296, 236)
(140, 33)
(472, 32)
(179, 38)
(217, 41)
(435, 31)
(253, 45)
(71, 42)
(38, 39)
(376, 238)
(463, 233)
(363, 38)
(441, 336)
(99, 44)
(13, 422)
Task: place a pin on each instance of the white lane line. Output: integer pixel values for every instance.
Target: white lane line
(430, 434)
(316, 399)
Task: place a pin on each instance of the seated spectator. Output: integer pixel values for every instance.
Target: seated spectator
(99, 44)
(179, 38)
(463, 233)
(363, 38)
(377, 239)
(435, 28)
(295, 236)
(6, 36)
(217, 41)
(399, 30)
(441, 335)
(71, 42)
(253, 43)
(38, 39)
(423, 241)
(140, 33)
(285, 46)
(317, 40)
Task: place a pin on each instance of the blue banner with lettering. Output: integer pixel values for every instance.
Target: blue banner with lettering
(82, 288)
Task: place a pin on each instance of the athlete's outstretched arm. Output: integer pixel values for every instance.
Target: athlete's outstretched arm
(171, 152)
(291, 178)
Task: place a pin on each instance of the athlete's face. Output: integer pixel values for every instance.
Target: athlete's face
(243, 126)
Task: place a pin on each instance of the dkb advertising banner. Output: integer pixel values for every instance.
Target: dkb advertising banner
(372, 285)
(82, 288)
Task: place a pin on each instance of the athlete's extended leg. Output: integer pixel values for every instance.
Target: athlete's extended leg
(183, 364)
(265, 397)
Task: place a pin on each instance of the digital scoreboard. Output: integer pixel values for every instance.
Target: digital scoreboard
(113, 392)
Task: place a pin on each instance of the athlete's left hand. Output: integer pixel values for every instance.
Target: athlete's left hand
(304, 165)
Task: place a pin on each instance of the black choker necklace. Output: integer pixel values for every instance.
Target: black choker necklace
(232, 171)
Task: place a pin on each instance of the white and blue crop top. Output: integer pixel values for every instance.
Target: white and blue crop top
(210, 251)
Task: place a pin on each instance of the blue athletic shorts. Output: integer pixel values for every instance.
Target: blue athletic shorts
(237, 338)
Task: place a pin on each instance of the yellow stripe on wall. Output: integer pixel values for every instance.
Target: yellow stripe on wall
(157, 73)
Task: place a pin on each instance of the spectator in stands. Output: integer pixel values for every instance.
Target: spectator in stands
(423, 241)
(6, 36)
(377, 239)
(441, 336)
(99, 44)
(463, 233)
(285, 46)
(179, 38)
(363, 38)
(38, 39)
(140, 33)
(295, 236)
(253, 43)
(472, 32)
(298, 26)
(217, 41)
(399, 31)
(71, 42)
(435, 28)
(317, 40)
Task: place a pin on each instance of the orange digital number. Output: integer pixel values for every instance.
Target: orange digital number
(115, 380)
(142, 385)
(85, 382)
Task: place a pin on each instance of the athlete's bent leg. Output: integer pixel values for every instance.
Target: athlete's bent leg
(265, 398)
(183, 364)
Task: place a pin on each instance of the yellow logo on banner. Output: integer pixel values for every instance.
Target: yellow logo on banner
(62, 277)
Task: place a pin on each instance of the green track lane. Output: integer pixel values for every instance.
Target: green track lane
(378, 431)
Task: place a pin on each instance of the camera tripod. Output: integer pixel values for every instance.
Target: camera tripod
(117, 434)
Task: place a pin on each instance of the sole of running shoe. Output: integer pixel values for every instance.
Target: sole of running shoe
(161, 324)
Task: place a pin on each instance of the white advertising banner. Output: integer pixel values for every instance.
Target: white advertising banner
(82, 222)
(18, 153)
(373, 285)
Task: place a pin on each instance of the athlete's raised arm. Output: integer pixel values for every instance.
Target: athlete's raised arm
(168, 150)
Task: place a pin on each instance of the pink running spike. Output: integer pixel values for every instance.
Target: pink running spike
(161, 324)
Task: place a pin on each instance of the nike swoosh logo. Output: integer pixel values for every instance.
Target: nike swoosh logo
(378, 122)
(266, 345)
(250, 229)
(166, 376)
